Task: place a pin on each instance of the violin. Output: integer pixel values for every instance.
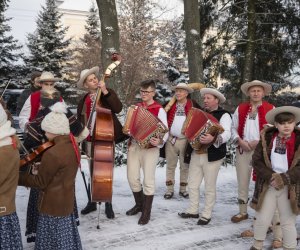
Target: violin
(30, 158)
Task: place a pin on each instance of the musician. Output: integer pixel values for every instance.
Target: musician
(247, 122)
(176, 143)
(35, 86)
(56, 227)
(33, 103)
(35, 137)
(108, 99)
(10, 233)
(206, 165)
(145, 158)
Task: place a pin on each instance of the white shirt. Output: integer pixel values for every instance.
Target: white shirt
(279, 161)
(225, 122)
(177, 124)
(251, 129)
(162, 115)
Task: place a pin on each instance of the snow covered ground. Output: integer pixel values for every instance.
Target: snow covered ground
(166, 230)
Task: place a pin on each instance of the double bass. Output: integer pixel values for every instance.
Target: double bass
(103, 144)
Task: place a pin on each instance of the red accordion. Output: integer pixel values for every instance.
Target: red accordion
(198, 123)
(142, 125)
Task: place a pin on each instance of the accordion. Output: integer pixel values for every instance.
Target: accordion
(198, 123)
(142, 125)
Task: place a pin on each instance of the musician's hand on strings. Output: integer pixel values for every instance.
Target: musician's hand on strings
(155, 141)
(206, 139)
(103, 88)
(244, 145)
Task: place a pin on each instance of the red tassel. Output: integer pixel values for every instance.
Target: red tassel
(74, 143)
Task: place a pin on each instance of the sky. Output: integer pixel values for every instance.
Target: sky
(24, 13)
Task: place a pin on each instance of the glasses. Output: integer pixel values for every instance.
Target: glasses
(145, 92)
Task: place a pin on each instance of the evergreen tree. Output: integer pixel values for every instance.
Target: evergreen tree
(47, 45)
(8, 45)
(88, 50)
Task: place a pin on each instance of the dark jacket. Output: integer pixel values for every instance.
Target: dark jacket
(55, 178)
(110, 101)
(262, 164)
(9, 175)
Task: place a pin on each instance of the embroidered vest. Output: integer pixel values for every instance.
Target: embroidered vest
(172, 111)
(244, 110)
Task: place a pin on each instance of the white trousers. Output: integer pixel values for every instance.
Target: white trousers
(145, 159)
(276, 199)
(201, 169)
(243, 172)
(173, 152)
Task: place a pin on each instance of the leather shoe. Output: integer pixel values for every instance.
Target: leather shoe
(90, 207)
(109, 210)
(238, 218)
(203, 221)
(188, 215)
(168, 195)
(184, 194)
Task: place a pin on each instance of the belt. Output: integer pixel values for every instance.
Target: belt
(2, 210)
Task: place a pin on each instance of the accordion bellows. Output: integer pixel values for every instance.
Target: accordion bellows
(142, 125)
(198, 123)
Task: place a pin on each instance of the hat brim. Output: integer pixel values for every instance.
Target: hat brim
(49, 80)
(94, 70)
(270, 116)
(189, 90)
(245, 86)
(213, 92)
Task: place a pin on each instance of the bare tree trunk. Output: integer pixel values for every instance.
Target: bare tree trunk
(250, 47)
(193, 40)
(110, 37)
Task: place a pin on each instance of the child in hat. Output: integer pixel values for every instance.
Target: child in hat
(56, 227)
(276, 162)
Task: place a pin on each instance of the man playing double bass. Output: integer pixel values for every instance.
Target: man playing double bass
(109, 100)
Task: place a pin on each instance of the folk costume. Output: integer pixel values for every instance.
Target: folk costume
(247, 124)
(109, 101)
(145, 159)
(35, 137)
(56, 227)
(10, 233)
(276, 158)
(206, 165)
(176, 144)
(33, 103)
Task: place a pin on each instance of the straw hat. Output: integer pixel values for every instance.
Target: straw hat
(85, 73)
(270, 116)
(214, 92)
(267, 87)
(183, 86)
(48, 77)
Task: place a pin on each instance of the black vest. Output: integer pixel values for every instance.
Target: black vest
(213, 153)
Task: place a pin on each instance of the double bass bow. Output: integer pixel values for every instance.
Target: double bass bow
(102, 144)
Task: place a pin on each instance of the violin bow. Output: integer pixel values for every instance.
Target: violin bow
(5, 88)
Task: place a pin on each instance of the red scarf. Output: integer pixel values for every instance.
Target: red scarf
(245, 109)
(76, 150)
(153, 108)
(171, 113)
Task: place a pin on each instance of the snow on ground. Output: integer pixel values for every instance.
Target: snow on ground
(166, 230)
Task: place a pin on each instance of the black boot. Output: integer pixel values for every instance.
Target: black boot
(109, 210)
(138, 197)
(90, 207)
(146, 210)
